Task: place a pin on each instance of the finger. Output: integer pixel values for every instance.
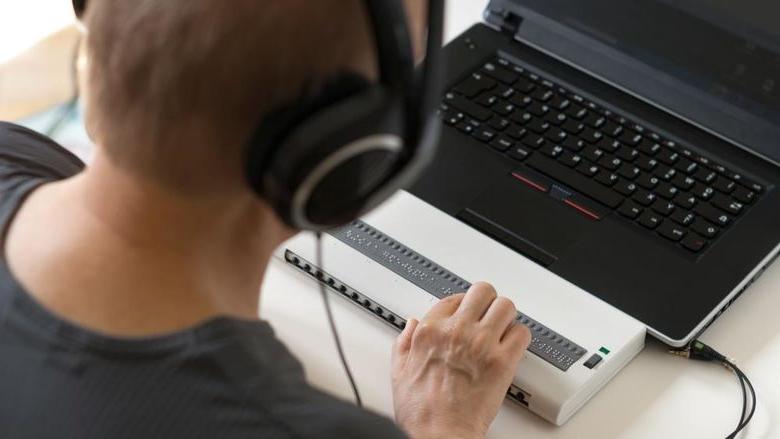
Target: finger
(444, 308)
(404, 342)
(516, 341)
(499, 316)
(476, 302)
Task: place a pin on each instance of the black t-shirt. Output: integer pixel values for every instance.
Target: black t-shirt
(225, 378)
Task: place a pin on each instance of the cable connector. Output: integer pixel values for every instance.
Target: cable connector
(702, 352)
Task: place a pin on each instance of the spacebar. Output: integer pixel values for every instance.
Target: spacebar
(574, 180)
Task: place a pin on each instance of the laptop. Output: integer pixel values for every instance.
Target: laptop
(610, 166)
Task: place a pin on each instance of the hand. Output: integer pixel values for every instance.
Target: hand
(452, 370)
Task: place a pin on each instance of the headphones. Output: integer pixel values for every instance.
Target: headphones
(344, 147)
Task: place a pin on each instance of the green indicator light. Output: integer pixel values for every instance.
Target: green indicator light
(604, 350)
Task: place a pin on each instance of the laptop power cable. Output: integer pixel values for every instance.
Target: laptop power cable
(702, 352)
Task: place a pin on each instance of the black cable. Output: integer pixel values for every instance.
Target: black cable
(701, 352)
(332, 322)
(752, 403)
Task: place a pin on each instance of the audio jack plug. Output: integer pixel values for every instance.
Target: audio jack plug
(702, 352)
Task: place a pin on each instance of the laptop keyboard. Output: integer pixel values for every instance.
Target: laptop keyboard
(676, 193)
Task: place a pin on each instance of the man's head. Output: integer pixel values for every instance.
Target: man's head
(175, 87)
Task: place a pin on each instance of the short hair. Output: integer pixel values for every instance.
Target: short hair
(176, 87)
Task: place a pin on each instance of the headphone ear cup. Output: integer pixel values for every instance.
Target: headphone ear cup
(326, 170)
(269, 136)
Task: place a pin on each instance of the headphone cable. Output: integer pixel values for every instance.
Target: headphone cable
(331, 321)
(702, 352)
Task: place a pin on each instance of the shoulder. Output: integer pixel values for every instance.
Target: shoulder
(24, 152)
(272, 382)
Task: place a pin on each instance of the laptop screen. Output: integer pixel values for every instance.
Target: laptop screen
(714, 62)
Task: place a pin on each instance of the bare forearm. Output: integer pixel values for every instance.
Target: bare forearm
(38, 78)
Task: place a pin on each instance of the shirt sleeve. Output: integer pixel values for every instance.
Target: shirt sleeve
(26, 154)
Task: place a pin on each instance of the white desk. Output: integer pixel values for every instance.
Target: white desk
(656, 396)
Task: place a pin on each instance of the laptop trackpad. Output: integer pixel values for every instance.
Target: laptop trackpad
(531, 222)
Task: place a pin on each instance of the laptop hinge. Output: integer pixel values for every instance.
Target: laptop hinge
(503, 19)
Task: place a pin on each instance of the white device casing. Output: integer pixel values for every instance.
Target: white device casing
(549, 392)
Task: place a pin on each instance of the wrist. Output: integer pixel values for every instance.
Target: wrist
(443, 432)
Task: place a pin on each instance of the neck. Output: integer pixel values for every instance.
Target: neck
(143, 247)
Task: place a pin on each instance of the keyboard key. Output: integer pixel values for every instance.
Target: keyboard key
(468, 107)
(686, 201)
(608, 144)
(503, 108)
(551, 150)
(628, 171)
(498, 123)
(649, 147)
(646, 163)
(538, 109)
(474, 85)
(667, 191)
(556, 118)
(521, 117)
(630, 210)
(573, 127)
(683, 182)
(704, 228)
(607, 179)
(668, 156)
(727, 204)
(682, 217)
(591, 136)
(611, 163)
(516, 132)
(703, 192)
(595, 120)
(502, 143)
(542, 94)
(592, 153)
(724, 185)
(694, 242)
(523, 85)
(625, 187)
(705, 175)
(534, 141)
(576, 111)
(650, 220)
(538, 126)
(671, 231)
(572, 144)
(487, 100)
(465, 127)
(630, 137)
(519, 153)
(556, 135)
(570, 159)
(665, 172)
(520, 101)
(648, 181)
(713, 215)
(687, 166)
(588, 169)
(644, 197)
(504, 75)
(627, 154)
(663, 207)
(577, 182)
(484, 134)
(744, 195)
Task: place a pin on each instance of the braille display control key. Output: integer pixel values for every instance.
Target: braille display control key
(670, 190)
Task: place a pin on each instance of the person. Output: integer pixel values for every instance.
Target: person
(129, 287)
